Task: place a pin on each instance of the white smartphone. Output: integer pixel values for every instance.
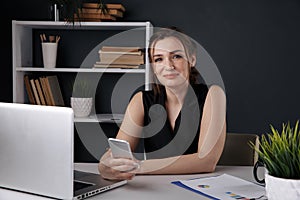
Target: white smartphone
(120, 148)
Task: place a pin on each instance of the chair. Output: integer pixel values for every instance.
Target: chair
(237, 150)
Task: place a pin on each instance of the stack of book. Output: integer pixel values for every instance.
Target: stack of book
(44, 90)
(93, 12)
(120, 57)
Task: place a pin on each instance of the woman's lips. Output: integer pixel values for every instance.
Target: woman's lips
(171, 76)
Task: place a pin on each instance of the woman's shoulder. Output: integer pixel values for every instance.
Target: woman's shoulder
(216, 89)
(203, 90)
(216, 92)
(137, 95)
(143, 94)
(136, 99)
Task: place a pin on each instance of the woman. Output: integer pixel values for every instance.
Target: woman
(182, 123)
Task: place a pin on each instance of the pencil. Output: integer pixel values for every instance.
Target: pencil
(44, 37)
(57, 39)
(42, 40)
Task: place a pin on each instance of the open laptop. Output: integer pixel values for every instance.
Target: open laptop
(36, 153)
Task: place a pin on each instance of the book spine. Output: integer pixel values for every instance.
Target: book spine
(55, 90)
(120, 53)
(47, 83)
(35, 92)
(123, 57)
(45, 91)
(40, 92)
(109, 6)
(93, 16)
(100, 65)
(114, 12)
(29, 90)
(122, 61)
(120, 49)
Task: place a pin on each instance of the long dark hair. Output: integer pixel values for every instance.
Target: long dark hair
(189, 45)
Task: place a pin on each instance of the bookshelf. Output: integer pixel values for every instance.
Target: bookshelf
(25, 47)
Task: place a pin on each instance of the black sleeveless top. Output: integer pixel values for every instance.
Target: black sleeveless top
(160, 140)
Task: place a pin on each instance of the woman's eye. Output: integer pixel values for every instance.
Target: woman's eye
(177, 56)
(157, 59)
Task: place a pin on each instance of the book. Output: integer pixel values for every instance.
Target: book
(121, 62)
(94, 16)
(122, 59)
(93, 12)
(120, 49)
(40, 92)
(47, 86)
(108, 6)
(29, 90)
(102, 65)
(46, 91)
(138, 53)
(115, 6)
(98, 11)
(35, 92)
(54, 90)
(126, 55)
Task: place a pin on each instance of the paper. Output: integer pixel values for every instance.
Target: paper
(225, 187)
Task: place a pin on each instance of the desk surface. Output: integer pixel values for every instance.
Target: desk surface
(144, 186)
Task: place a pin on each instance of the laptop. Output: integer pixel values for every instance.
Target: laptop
(36, 153)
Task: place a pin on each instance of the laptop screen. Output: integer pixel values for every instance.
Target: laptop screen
(36, 149)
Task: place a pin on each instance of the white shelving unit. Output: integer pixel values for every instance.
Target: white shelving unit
(22, 42)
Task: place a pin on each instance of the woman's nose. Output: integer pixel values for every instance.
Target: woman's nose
(168, 62)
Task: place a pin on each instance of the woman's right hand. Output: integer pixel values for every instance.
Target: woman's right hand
(116, 168)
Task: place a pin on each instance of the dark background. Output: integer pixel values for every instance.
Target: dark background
(254, 43)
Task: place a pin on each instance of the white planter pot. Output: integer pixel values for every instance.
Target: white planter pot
(280, 188)
(82, 107)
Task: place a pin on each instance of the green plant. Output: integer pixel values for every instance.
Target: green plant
(280, 151)
(74, 7)
(82, 88)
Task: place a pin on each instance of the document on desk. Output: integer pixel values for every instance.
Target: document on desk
(225, 187)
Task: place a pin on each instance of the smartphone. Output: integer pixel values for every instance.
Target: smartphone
(120, 148)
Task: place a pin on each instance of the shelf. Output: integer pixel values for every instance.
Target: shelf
(82, 25)
(102, 118)
(92, 70)
(24, 53)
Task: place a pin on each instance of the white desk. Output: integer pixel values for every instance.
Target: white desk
(144, 186)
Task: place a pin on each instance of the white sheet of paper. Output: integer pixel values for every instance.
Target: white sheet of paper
(226, 187)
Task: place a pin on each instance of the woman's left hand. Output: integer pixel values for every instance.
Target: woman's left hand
(117, 168)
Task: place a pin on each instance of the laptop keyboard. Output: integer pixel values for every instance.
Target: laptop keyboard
(80, 185)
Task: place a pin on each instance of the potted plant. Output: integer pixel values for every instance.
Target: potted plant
(70, 9)
(82, 97)
(279, 152)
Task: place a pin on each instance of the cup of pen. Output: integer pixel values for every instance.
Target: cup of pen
(49, 51)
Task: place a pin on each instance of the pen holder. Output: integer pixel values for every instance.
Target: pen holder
(49, 50)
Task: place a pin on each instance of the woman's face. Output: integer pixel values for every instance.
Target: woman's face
(170, 63)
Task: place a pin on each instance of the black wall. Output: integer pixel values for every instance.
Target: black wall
(254, 43)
